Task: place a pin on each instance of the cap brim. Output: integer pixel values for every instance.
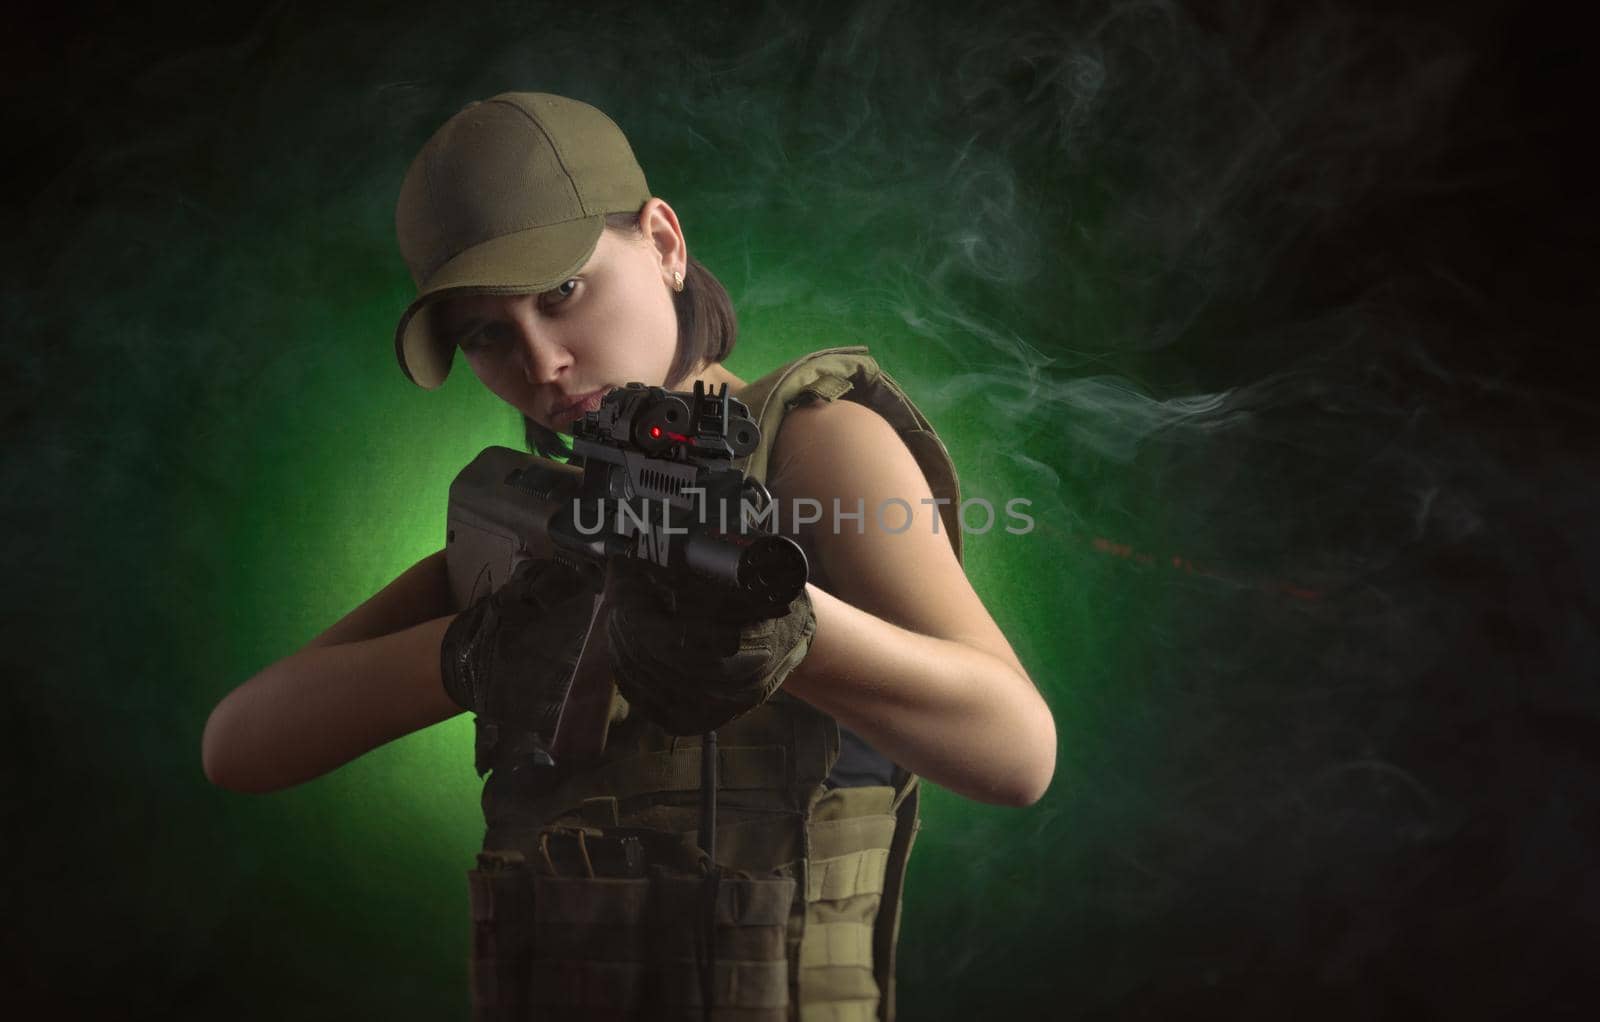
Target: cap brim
(525, 262)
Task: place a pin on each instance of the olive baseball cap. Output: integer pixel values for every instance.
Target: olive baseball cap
(509, 197)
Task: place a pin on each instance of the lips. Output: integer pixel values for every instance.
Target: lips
(579, 406)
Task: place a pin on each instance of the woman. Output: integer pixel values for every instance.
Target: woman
(540, 254)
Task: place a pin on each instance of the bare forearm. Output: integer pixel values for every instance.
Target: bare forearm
(324, 706)
(960, 717)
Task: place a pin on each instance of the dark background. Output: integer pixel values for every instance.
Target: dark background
(1278, 312)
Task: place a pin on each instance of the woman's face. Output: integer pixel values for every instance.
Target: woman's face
(552, 356)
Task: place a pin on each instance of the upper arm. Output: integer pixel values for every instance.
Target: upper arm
(901, 570)
(421, 593)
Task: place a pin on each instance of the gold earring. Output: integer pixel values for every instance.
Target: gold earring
(677, 281)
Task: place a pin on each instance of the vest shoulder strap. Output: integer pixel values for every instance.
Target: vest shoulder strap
(851, 373)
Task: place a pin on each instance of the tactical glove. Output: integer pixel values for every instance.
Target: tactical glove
(507, 658)
(693, 659)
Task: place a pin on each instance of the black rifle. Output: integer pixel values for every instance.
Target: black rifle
(657, 487)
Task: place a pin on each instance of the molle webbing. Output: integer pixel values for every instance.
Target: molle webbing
(775, 758)
(626, 948)
(670, 770)
(630, 945)
(851, 895)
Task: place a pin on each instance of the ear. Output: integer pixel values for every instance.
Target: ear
(661, 230)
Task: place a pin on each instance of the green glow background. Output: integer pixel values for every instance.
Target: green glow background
(1174, 274)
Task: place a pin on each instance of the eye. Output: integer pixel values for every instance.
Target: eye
(481, 337)
(560, 293)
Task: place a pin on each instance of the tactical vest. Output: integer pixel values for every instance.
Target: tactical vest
(589, 900)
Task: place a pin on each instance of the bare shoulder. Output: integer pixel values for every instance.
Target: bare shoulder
(844, 451)
(880, 537)
(817, 436)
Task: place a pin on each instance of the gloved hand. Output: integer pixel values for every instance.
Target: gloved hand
(694, 659)
(507, 658)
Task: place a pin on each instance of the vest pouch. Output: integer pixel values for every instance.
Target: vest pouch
(848, 880)
(590, 948)
(501, 895)
(633, 947)
(750, 961)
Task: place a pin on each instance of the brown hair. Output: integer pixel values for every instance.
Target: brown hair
(707, 331)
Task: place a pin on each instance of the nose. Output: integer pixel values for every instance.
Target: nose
(545, 359)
